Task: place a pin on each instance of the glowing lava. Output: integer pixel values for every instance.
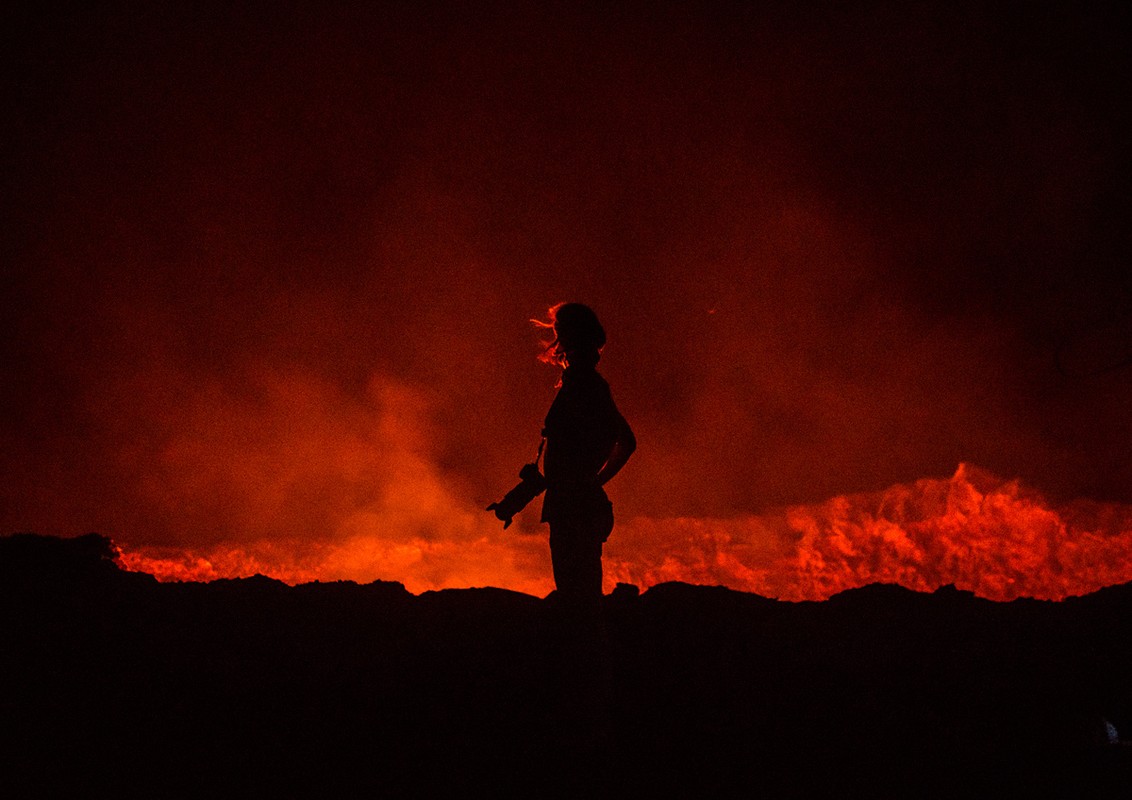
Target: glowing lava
(981, 533)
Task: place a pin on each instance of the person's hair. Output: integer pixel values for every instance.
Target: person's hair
(578, 336)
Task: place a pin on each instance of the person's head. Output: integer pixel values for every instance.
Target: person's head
(578, 336)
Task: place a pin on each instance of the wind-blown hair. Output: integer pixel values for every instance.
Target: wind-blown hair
(578, 336)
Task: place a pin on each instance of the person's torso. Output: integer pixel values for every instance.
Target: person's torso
(581, 429)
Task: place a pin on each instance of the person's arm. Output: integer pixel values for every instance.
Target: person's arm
(623, 448)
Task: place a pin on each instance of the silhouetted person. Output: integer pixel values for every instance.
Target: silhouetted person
(587, 442)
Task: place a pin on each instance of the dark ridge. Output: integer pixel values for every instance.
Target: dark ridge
(27, 557)
(113, 683)
(881, 593)
(675, 591)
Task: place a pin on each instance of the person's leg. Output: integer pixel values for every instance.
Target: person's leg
(575, 554)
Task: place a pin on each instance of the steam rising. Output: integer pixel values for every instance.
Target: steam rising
(269, 287)
(290, 477)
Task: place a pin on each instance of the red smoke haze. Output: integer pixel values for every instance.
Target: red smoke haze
(267, 280)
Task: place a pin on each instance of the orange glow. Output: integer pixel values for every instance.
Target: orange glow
(984, 534)
(981, 533)
(421, 565)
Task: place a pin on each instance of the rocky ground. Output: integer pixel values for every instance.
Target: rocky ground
(114, 683)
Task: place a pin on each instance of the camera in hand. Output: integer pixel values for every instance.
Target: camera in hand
(531, 484)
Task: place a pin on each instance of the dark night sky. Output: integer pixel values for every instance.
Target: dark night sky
(263, 267)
